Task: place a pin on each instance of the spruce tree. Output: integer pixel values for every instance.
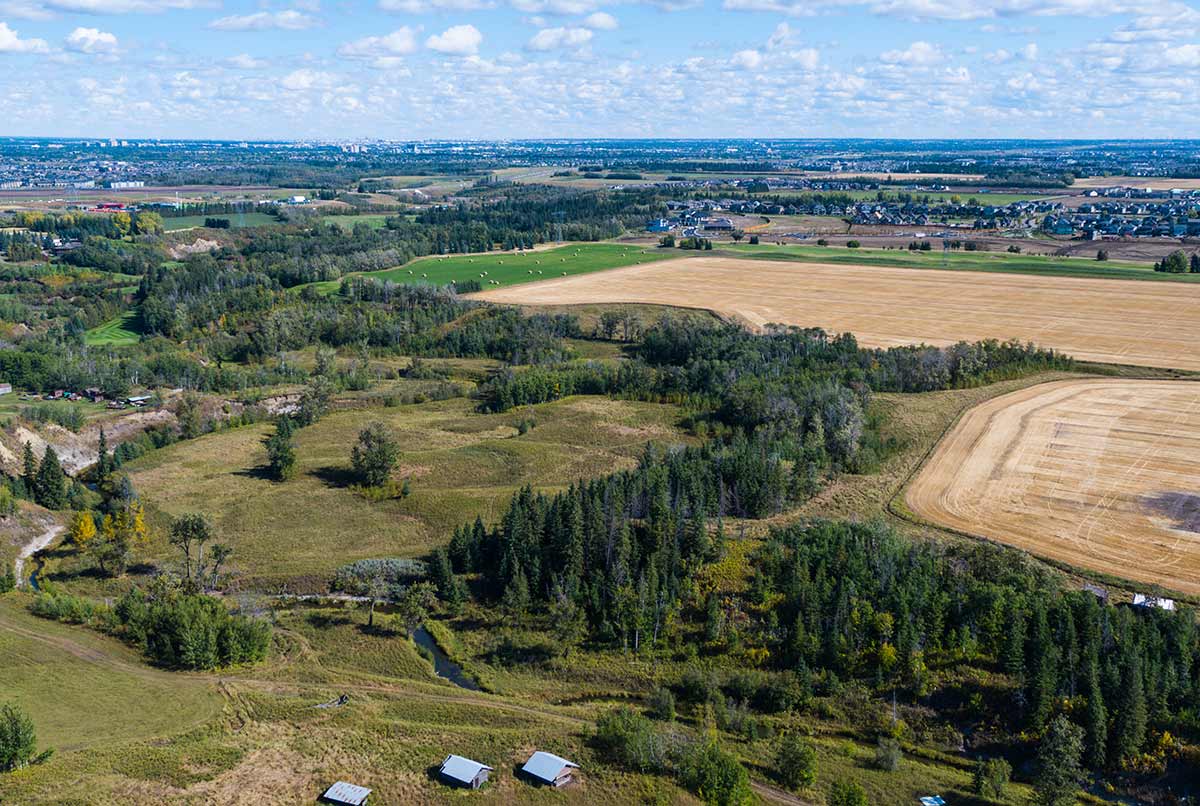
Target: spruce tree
(1058, 764)
(51, 483)
(1097, 718)
(1130, 721)
(29, 472)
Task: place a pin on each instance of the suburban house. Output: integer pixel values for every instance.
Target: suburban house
(549, 769)
(347, 794)
(658, 225)
(464, 772)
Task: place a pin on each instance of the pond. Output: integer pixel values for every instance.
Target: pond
(444, 667)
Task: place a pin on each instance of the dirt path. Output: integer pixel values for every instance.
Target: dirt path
(776, 795)
(33, 547)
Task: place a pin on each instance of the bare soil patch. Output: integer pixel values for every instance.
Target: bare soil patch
(1106, 321)
(1097, 473)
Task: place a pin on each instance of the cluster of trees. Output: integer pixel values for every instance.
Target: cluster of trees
(858, 601)
(1179, 263)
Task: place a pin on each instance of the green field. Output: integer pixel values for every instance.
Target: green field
(235, 220)
(349, 222)
(123, 329)
(1002, 262)
(460, 463)
(513, 268)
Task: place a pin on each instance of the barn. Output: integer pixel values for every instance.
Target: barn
(464, 772)
(550, 769)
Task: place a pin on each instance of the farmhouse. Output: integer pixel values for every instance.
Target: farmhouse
(347, 794)
(460, 771)
(549, 769)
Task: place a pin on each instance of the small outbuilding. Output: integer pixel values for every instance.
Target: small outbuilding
(550, 769)
(346, 794)
(464, 772)
(932, 800)
(1142, 600)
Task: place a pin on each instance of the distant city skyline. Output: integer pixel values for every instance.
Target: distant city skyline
(515, 69)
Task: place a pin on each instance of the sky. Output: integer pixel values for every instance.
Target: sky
(496, 69)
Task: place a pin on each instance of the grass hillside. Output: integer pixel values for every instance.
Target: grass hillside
(123, 329)
(460, 464)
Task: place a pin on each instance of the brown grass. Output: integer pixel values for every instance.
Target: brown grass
(1109, 321)
(1099, 473)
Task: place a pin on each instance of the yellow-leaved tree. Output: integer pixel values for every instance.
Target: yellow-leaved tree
(120, 533)
(83, 529)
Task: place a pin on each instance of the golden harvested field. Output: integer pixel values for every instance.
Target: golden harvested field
(1099, 473)
(1110, 321)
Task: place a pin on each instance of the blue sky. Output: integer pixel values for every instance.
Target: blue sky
(480, 69)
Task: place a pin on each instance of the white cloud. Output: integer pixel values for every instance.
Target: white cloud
(781, 36)
(601, 21)
(305, 79)
(121, 6)
(918, 54)
(429, 6)
(91, 40)
(559, 7)
(555, 38)
(289, 20)
(458, 40)
(399, 42)
(11, 42)
(806, 58)
(747, 59)
(244, 61)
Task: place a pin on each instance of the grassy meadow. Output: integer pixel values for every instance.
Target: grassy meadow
(459, 464)
(1000, 262)
(512, 268)
(236, 220)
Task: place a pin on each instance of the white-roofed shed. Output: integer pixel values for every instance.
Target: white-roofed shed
(464, 772)
(549, 768)
(348, 794)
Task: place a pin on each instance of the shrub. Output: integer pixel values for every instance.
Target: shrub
(629, 739)
(18, 741)
(662, 704)
(887, 754)
(796, 762)
(852, 244)
(846, 793)
(63, 607)
(716, 776)
(991, 777)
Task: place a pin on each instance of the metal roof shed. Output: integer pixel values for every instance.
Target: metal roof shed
(933, 800)
(549, 768)
(464, 772)
(347, 794)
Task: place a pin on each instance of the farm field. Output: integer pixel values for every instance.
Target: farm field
(460, 464)
(996, 262)
(512, 268)
(1108, 321)
(235, 220)
(349, 222)
(1098, 473)
(119, 330)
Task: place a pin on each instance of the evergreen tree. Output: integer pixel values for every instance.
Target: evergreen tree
(281, 452)
(103, 465)
(1058, 764)
(51, 483)
(1097, 718)
(29, 472)
(1130, 720)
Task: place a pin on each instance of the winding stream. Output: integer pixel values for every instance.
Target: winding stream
(442, 664)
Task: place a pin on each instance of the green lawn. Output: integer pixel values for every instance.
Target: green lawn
(123, 329)
(1002, 262)
(512, 268)
(235, 220)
